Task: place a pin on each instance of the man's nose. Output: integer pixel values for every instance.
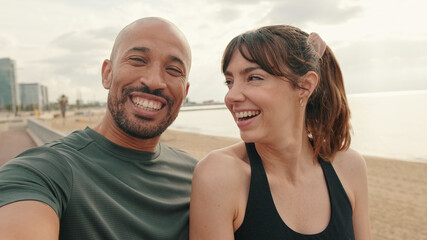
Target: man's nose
(154, 78)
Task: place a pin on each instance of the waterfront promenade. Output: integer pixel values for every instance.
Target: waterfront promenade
(397, 189)
(14, 139)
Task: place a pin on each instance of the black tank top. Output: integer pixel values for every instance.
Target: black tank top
(263, 222)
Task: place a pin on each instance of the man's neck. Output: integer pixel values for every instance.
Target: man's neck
(109, 129)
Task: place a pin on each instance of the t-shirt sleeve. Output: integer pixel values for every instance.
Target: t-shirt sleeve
(39, 174)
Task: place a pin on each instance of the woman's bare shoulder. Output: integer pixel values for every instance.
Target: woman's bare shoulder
(350, 167)
(229, 158)
(221, 179)
(350, 162)
(227, 165)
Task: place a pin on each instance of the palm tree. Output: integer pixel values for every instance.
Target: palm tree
(63, 101)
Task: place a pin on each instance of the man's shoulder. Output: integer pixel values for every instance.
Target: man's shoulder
(76, 140)
(56, 153)
(176, 152)
(38, 163)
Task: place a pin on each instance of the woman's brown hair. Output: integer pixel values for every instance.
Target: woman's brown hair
(284, 51)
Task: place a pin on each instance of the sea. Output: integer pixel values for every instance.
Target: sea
(386, 124)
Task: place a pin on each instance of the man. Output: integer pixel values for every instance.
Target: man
(116, 181)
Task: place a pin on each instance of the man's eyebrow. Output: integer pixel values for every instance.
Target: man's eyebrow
(138, 49)
(146, 49)
(177, 59)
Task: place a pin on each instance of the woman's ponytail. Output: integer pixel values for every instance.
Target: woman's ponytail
(327, 112)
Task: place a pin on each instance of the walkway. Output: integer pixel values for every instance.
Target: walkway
(14, 141)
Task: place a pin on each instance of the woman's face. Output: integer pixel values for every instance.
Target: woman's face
(264, 106)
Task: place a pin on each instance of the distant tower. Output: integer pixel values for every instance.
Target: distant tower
(9, 97)
(45, 98)
(33, 95)
(79, 101)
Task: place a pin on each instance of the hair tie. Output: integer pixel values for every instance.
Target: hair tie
(317, 42)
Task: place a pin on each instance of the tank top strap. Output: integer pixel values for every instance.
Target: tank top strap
(262, 221)
(259, 188)
(255, 160)
(336, 190)
(260, 209)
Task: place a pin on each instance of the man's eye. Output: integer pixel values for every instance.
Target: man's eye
(138, 60)
(176, 72)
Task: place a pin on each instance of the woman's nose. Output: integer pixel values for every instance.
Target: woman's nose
(235, 94)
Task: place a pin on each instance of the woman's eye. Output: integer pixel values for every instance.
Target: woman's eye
(255, 77)
(228, 83)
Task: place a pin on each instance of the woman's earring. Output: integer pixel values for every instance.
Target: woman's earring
(301, 103)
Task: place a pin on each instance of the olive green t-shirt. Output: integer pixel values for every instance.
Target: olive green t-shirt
(101, 190)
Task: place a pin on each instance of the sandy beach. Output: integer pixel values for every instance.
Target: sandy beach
(397, 189)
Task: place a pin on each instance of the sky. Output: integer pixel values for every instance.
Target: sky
(381, 45)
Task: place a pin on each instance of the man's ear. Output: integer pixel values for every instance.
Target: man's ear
(106, 74)
(308, 84)
(186, 88)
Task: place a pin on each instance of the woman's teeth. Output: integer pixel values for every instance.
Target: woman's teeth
(246, 114)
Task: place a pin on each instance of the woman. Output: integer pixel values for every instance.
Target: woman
(293, 176)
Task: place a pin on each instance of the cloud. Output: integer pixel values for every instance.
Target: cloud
(86, 41)
(71, 62)
(228, 14)
(235, 2)
(67, 52)
(383, 65)
(5, 42)
(300, 13)
(79, 51)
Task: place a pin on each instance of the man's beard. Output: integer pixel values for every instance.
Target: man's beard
(137, 128)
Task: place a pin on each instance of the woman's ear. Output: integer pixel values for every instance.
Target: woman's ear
(106, 74)
(308, 84)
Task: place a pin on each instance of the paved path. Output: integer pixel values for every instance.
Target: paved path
(13, 142)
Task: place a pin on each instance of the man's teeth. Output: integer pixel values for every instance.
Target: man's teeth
(150, 105)
(246, 114)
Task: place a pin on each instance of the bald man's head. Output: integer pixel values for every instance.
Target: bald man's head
(147, 77)
(143, 26)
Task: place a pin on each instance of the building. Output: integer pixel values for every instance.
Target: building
(9, 95)
(45, 98)
(33, 96)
